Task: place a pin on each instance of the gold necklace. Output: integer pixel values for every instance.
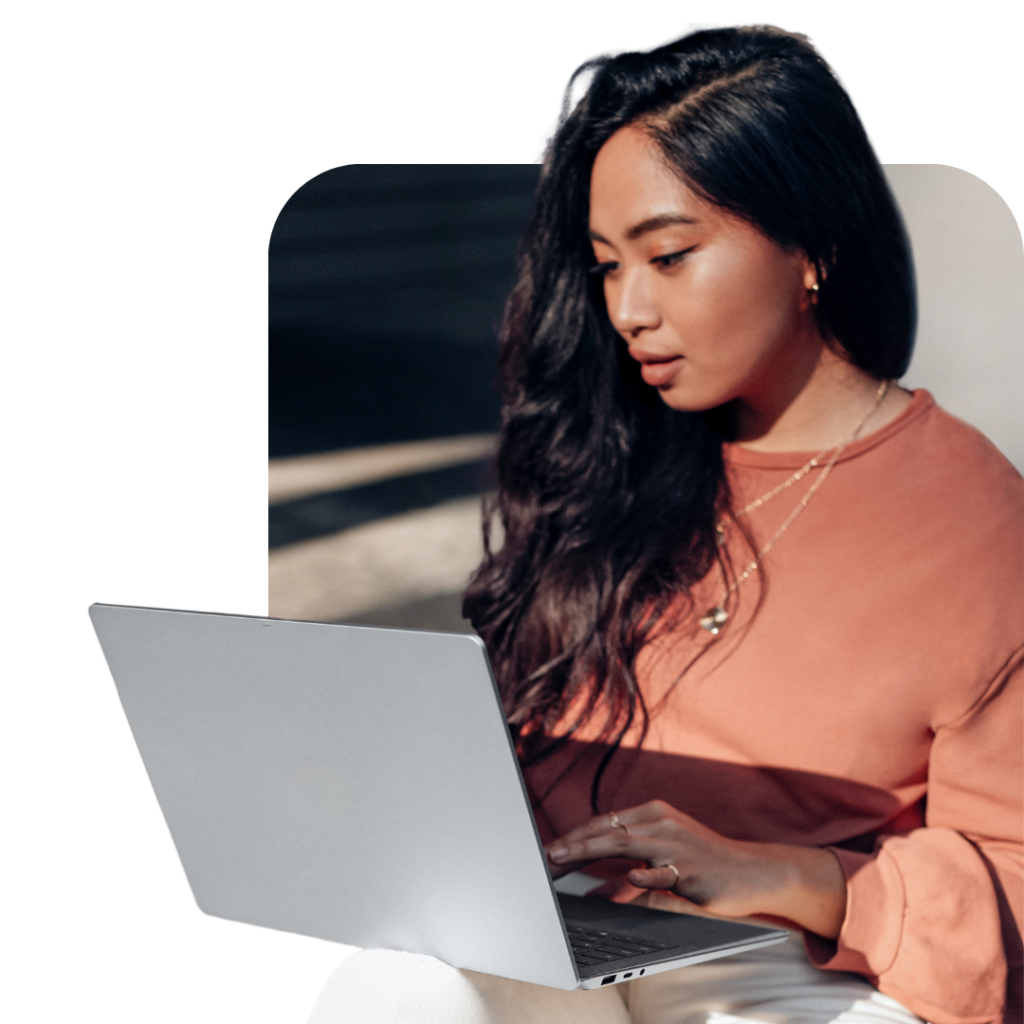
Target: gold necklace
(715, 618)
(798, 475)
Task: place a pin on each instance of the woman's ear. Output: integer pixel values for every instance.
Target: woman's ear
(816, 271)
(812, 277)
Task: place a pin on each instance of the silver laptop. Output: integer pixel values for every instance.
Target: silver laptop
(359, 784)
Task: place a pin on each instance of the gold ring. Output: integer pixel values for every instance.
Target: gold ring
(613, 822)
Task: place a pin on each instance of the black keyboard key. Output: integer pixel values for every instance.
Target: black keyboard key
(602, 947)
(616, 951)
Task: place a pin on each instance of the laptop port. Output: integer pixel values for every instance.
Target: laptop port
(608, 980)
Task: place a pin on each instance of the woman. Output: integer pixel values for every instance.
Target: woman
(756, 616)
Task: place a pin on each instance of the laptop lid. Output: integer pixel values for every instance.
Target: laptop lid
(350, 783)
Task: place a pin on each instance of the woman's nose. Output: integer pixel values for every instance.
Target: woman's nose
(630, 308)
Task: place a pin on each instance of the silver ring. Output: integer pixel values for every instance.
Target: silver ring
(675, 871)
(613, 822)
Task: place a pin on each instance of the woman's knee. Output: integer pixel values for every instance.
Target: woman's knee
(378, 986)
(388, 987)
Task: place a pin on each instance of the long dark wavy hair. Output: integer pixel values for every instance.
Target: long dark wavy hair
(608, 498)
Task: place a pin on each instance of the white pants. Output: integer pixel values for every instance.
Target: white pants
(777, 985)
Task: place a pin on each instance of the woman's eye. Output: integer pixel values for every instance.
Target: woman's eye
(672, 259)
(600, 269)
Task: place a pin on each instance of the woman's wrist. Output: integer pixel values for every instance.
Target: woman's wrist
(809, 887)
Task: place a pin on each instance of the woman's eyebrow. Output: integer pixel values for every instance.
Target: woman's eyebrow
(663, 220)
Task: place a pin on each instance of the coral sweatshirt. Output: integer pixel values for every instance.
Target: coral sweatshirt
(865, 696)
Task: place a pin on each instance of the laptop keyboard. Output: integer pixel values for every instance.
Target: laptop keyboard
(591, 948)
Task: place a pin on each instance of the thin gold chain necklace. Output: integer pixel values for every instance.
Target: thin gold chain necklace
(798, 475)
(715, 618)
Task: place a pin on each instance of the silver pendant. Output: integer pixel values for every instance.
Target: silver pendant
(714, 620)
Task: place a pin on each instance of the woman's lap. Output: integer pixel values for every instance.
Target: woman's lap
(771, 986)
(384, 987)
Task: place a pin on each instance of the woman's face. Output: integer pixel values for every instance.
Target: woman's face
(712, 308)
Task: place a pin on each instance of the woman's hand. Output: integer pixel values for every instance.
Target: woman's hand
(724, 876)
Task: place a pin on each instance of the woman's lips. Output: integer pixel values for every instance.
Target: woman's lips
(659, 373)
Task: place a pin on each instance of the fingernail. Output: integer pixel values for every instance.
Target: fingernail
(558, 853)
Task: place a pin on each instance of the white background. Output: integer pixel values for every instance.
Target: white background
(969, 266)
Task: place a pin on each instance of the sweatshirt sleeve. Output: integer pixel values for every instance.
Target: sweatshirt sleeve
(933, 917)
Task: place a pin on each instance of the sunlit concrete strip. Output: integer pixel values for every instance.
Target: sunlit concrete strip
(388, 562)
(316, 474)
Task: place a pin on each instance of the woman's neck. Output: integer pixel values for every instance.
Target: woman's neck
(821, 409)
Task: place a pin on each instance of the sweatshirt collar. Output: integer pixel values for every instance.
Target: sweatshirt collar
(736, 455)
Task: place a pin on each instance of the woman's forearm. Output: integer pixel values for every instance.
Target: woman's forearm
(809, 890)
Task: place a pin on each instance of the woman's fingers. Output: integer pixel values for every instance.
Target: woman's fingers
(651, 831)
(598, 826)
(654, 816)
(610, 844)
(654, 878)
(652, 828)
